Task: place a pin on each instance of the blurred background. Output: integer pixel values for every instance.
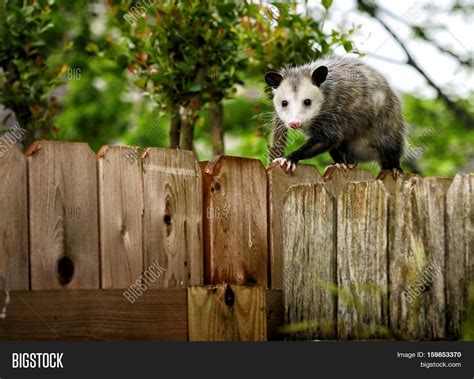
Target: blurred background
(189, 74)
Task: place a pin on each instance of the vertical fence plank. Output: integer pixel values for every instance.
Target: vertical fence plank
(362, 215)
(275, 314)
(336, 178)
(172, 221)
(390, 182)
(13, 219)
(278, 183)
(120, 215)
(235, 221)
(227, 313)
(62, 191)
(459, 251)
(309, 262)
(417, 258)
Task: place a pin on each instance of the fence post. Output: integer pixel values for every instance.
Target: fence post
(172, 219)
(120, 215)
(362, 215)
(235, 221)
(309, 272)
(279, 182)
(459, 251)
(63, 216)
(13, 219)
(417, 258)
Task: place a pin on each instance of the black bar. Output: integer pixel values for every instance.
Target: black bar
(365, 360)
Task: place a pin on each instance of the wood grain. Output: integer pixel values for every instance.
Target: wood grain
(172, 222)
(95, 315)
(13, 219)
(235, 221)
(336, 178)
(63, 216)
(120, 216)
(279, 182)
(309, 268)
(362, 215)
(390, 181)
(459, 251)
(417, 258)
(275, 314)
(227, 313)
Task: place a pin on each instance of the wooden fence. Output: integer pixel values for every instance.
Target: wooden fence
(150, 244)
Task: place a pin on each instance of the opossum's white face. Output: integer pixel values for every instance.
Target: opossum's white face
(297, 106)
(297, 102)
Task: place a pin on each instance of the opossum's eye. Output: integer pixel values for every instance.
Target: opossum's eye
(307, 102)
(284, 103)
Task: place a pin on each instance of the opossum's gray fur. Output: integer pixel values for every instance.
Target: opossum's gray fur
(360, 116)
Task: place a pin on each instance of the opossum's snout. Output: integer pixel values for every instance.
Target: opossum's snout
(295, 124)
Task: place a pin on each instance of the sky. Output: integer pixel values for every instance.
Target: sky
(453, 32)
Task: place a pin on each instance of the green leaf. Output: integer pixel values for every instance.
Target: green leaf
(326, 3)
(347, 46)
(194, 87)
(224, 9)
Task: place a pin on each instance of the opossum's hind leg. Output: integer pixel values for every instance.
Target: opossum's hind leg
(390, 158)
(342, 158)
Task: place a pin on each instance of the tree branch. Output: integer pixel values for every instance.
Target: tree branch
(421, 33)
(459, 112)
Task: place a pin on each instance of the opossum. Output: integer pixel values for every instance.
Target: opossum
(344, 107)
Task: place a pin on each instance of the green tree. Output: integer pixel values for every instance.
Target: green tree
(186, 55)
(27, 74)
(439, 143)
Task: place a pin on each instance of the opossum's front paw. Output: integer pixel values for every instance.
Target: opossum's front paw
(397, 172)
(286, 163)
(341, 166)
(344, 166)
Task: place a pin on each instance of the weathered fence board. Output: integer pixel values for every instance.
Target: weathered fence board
(390, 180)
(275, 314)
(459, 250)
(417, 258)
(227, 313)
(96, 315)
(235, 221)
(120, 216)
(278, 183)
(309, 270)
(172, 222)
(13, 219)
(63, 216)
(336, 178)
(362, 215)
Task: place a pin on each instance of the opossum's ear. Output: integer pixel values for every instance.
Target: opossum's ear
(273, 79)
(319, 75)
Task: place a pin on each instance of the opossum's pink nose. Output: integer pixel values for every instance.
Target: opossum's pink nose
(294, 124)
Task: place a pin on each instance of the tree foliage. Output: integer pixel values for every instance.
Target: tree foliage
(26, 75)
(185, 55)
(277, 36)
